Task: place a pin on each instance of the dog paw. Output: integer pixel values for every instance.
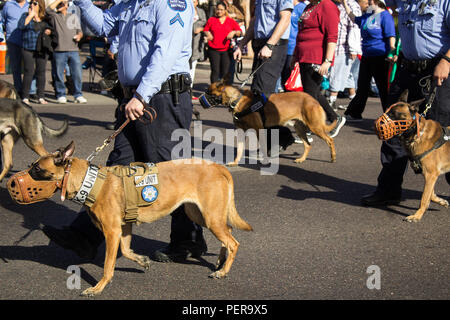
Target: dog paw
(90, 292)
(232, 164)
(218, 275)
(412, 218)
(299, 160)
(144, 262)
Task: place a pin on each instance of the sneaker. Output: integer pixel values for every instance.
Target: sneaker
(342, 107)
(353, 119)
(332, 104)
(26, 100)
(340, 123)
(300, 141)
(80, 99)
(62, 100)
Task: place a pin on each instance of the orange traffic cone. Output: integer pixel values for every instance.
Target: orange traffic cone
(2, 57)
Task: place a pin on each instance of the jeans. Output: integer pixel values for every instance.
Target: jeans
(72, 58)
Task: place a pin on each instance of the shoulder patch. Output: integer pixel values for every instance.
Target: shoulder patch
(177, 5)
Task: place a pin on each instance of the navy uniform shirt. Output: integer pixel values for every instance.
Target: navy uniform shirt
(424, 27)
(155, 39)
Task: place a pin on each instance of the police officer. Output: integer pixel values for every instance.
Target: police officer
(269, 32)
(424, 27)
(155, 39)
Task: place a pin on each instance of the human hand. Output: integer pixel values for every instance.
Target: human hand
(441, 72)
(265, 53)
(237, 54)
(77, 38)
(134, 109)
(231, 35)
(48, 32)
(324, 67)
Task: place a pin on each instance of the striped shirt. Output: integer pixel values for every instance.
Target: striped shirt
(346, 43)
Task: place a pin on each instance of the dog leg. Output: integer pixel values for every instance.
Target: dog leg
(125, 242)
(301, 129)
(430, 181)
(440, 201)
(230, 244)
(112, 239)
(240, 151)
(321, 133)
(7, 147)
(222, 254)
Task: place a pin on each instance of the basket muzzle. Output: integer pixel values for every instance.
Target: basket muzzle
(208, 100)
(25, 190)
(386, 128)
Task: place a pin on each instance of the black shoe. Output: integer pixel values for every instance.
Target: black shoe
(69, 239)
(180, 252)
(380, 199)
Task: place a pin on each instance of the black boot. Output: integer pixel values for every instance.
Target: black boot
(181, 251)
(70, 239)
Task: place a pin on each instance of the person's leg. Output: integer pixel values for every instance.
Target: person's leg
(358, 103)
(75, 71)
(380, 72)
(15, 62)
(286, 72)
(60, 64)
(28, 64)
(339, 73)
(41, 63)
(224, 64)
(214, 60)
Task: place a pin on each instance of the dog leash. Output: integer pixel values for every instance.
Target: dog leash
(108, 140)
(426, 85)
(252, 74)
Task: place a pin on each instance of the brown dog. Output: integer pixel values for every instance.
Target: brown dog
(206, 189)
(425, 151)
(17, 119)
(291, 108)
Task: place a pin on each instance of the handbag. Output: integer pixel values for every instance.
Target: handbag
(294, 82)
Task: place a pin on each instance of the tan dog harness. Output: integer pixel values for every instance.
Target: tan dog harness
(140, 184)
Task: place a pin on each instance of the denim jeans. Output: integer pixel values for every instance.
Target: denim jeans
(72, 58)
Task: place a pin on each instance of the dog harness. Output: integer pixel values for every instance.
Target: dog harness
(416, 163)
(140, 184)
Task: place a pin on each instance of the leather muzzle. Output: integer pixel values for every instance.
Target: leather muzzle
(386, 128)
(25, 190)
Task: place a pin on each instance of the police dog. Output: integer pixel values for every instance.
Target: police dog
(427, 154)
(19, 120)
(291, 108)
(206, 189)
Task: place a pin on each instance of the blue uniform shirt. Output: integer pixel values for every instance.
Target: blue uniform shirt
(11, 14)
(267, 14)
(155, 39)
(424, 27)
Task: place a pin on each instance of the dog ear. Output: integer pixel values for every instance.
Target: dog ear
(404, 96)
(64, 154)
(414, 106)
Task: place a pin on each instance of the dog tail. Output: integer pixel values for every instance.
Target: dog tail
(55, 132)
(233, 216)
(331, 126)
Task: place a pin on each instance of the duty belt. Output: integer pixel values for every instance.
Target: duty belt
(176, 84)
(418, 66)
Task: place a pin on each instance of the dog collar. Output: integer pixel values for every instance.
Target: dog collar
(87, 185)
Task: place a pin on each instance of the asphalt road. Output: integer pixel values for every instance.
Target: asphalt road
(311, 239)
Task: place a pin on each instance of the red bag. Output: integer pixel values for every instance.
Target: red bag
(294, 83)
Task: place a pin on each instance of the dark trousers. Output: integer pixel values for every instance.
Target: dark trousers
(34, 64)
(311, 81)
(220, 64)
(378, 68)
(393, 155)
(149, 143)
(286, 72)
(265, 80)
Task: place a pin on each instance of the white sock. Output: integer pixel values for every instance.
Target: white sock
(351, 97)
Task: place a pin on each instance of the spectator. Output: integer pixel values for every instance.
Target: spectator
(219, 30)
(378, 39)
(11, 13)
(36, 46)
(316, 42)
(235, 12)
(197, 40)
(299, 6)
(346, 50)
(68, 33)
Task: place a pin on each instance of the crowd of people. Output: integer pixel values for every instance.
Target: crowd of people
(347, 41)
